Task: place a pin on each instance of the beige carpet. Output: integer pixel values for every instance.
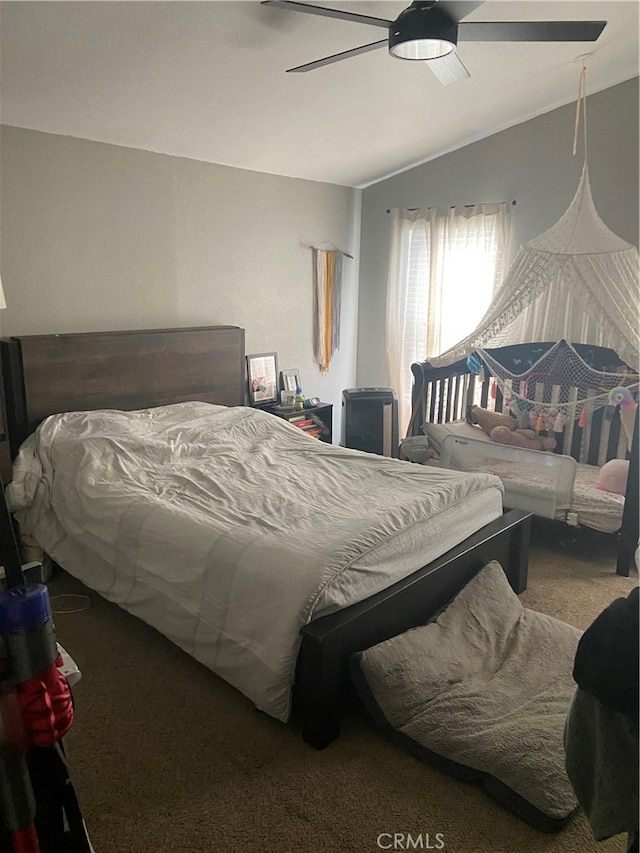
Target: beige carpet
(167, 757)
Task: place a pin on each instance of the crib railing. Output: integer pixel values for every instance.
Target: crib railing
(444, 394)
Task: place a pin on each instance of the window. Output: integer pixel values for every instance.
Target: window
(444, 267)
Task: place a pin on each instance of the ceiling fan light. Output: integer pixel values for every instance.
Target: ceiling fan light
(422, 49)
(423, 31)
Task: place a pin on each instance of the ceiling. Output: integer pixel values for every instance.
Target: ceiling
(207, 81)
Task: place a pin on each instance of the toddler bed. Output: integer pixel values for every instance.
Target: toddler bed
(562, 484)
(269, 556)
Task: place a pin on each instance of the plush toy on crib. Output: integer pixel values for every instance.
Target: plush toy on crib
(613, 476)
(624, 398)
(504, 429)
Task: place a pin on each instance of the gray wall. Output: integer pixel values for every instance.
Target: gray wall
(531, 163)
(98, 237)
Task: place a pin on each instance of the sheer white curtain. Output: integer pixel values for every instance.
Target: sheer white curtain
(444, 267)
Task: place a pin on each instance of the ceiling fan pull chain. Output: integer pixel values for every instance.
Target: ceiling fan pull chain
(581, 99)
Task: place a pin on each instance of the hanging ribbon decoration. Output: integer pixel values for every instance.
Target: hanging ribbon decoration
(327, 305)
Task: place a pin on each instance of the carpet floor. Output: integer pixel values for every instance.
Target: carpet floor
(167, 757)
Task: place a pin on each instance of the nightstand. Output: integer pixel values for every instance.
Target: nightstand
(317, 421)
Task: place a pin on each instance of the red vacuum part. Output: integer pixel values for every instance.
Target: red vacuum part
(46, 706)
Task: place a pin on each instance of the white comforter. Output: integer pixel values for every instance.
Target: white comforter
(227, 529)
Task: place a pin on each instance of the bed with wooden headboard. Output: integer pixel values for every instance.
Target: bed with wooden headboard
(131, 370)
(47, 374)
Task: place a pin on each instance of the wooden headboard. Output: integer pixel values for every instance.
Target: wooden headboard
(48, 374)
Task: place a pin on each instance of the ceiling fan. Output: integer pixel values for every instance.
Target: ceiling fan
(429, 30)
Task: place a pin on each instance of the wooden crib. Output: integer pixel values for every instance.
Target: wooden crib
(442, 395)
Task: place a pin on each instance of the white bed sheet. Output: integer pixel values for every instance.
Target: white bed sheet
(595, 508)
(227, 529)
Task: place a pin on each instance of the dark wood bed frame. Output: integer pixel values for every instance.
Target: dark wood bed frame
(442, 394)
(47, 374)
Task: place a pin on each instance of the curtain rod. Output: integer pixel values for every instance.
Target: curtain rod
(455, 205)
(332, 249)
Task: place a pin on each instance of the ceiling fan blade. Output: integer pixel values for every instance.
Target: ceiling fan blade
(448, 69)
(310, 9)
(336, 57)
(531, 31)
(458, 9)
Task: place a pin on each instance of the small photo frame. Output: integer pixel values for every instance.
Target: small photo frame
(290, 379)
(287, 399)
(262, 378)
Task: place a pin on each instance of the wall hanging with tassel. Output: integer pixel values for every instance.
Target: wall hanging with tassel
(327, 303)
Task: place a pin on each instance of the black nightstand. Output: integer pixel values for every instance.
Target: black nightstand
(317, 421)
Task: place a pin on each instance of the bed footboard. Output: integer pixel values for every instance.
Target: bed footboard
(322, 679)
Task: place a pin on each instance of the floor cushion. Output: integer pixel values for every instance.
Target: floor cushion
(482, 692)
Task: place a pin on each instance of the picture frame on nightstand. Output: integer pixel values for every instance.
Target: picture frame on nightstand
(262, 378)
(290, 379)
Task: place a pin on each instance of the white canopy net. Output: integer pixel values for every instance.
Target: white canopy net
(573, 287)
(577, 281)
(576, 286)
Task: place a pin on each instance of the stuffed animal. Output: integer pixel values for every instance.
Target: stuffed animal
(621, 397)
(613, 476)
(525, 438)
(504, 429)
(522, 412)
(624, 398)
(488, 420)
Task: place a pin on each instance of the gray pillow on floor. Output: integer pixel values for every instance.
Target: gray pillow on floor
(486, 686)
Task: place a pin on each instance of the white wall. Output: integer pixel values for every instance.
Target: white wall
(97, 237)
(531, 163)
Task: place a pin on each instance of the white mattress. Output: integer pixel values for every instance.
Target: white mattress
(595, 508)
(227, 529)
